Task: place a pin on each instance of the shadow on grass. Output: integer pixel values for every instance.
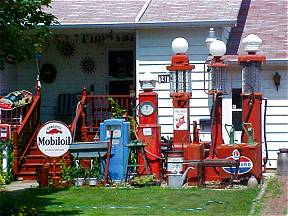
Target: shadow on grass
(31, 202)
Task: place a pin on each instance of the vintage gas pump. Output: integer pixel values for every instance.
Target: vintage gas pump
(119, 151)
(218, 87)
(252, 97)
(180, 91)
(249, 151)
(251, 88)
(148, 129)
(5, 133)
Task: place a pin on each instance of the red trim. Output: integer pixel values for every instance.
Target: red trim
(248, 58)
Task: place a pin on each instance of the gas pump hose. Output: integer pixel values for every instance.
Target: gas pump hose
(251, 102)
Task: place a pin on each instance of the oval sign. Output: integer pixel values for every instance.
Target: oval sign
(54, 139)
(245, 166)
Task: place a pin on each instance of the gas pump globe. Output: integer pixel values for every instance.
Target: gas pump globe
(147, 83)
(180, 91)
(219, 76)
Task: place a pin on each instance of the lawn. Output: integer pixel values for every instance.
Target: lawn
(129, 201)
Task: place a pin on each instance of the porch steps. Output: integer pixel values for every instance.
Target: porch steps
(35, 159)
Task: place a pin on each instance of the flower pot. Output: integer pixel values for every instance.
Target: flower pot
(92, 181)
(79, 182)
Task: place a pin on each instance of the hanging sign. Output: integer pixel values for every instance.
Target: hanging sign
(54, 139)
(180, 119)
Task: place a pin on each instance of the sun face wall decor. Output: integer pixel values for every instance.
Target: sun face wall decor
(88, 65)
(66, 48)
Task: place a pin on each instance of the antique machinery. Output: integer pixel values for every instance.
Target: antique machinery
(180, 91)
(217, 88)
(148, 130)
(249, 151)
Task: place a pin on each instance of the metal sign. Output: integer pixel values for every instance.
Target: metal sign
(54, 139)
(164, 78)
(245, 166)
(180, 119)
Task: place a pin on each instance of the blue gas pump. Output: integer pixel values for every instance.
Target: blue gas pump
(119, 151)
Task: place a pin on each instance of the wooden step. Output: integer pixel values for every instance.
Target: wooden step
(32, 175)
(31, 167)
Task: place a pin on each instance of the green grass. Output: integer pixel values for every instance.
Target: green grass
(128, 201)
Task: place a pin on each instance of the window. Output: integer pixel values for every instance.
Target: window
(121, 64)
(237, 109)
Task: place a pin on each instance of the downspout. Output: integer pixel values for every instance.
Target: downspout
(142, 11)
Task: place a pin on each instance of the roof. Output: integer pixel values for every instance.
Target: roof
(268, 20)
(184, 10)
(95, 11)
(125, 11)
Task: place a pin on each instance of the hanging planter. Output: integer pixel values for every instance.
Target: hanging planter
(88, 65)
(48, 73)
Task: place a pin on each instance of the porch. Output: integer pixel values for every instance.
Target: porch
(25, 122)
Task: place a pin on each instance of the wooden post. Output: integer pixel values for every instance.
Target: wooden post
(106, 171)
(15, 150)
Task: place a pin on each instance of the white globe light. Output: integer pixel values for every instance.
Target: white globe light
(252, 43)
(217, 48)
(179, 45)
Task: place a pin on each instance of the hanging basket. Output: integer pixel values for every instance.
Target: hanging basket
(48, 73)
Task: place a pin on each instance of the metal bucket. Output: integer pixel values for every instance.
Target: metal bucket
(175, 180)
(42, 176)
(282, 162)
(175, 164)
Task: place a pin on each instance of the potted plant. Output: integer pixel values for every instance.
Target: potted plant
(93, 175)
(78, 175)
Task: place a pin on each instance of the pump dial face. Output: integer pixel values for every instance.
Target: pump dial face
(146, 108)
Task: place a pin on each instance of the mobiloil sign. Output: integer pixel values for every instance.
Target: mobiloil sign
(54, 139)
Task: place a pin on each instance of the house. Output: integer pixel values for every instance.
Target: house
(107, 46)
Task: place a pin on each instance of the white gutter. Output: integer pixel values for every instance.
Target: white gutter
(142, 11)
(141, 25)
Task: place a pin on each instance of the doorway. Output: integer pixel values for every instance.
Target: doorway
(121, 72)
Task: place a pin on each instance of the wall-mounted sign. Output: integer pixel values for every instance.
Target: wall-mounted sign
(54, 139)
(164, 78)
(180, 119)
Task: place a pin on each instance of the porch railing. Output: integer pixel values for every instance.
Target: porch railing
(14, 117)
(94, 109)
(23, 135)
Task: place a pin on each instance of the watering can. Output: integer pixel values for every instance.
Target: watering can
(176, 179)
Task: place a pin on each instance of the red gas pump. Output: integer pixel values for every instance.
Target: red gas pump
(148, 129)
(217, 88)
(249, 151)
(180, 91)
